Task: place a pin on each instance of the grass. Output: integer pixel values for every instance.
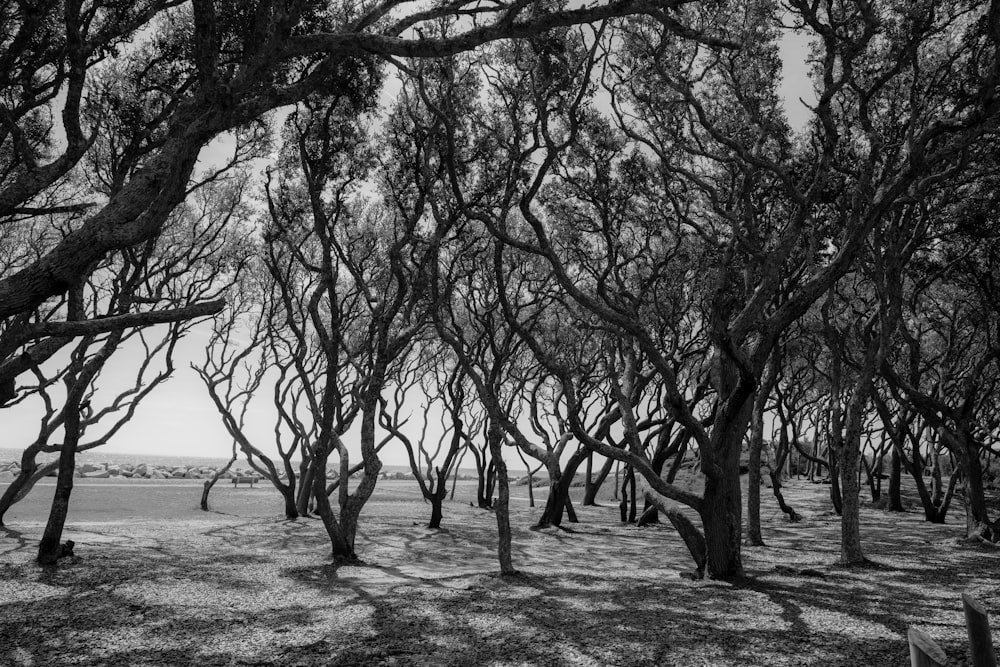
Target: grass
(158, 582)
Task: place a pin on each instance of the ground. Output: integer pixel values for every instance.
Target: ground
(155, 581)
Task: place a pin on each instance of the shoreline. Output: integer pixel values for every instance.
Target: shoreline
(10, 469)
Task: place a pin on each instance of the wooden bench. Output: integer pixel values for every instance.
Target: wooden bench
(244, 480)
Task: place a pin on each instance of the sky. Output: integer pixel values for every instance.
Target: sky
(179, 419)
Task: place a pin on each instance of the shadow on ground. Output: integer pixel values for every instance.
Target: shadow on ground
(226, 589)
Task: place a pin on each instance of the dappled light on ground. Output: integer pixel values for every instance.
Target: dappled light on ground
(232, 588)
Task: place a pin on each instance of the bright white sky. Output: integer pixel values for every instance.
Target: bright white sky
(178, 419)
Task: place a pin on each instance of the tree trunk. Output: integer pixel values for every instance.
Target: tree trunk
(552, 514)
(783, 453)
(436, 512)
(817, 467)
(977, 521)
(721, 515)
(650, 512)
(341, 549)
(559, 500)
(675, 466)
(836, 496)
(438, 494)
(487, 482)
(632, 500)
(850, 460)
(209, 483)
(937, 483)
(50, 548)
(454, 477)
(288, 493)
(754, 536)
(26, 479)
(793, 516)
(501, 508)
(570, 512)
(693, 539)
(307, 474)
(627, 506)
(895, 481)
(850, 524)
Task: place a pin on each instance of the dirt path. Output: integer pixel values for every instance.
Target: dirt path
(240, 587)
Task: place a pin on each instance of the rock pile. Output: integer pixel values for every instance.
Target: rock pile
(10, 469)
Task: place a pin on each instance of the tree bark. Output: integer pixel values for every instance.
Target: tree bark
(559, 501)
(590, 496)
(552, 514)
(209, 483)
(50, 548)
(436, 512)
(307, 473)
(895, 481)
(721, 512)
(754, 536)
(26, 479)
(502, 505)
(783, 454)
(341, 549)
(850, 524)
(977, 521)
(437, 497)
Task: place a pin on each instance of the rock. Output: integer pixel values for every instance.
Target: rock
(89, 467)
(192, 474)
(141, 470)
(178, 474)
(96, 474)
(181, 470)
(156, 474)
(114, 470)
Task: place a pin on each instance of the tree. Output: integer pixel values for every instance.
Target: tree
(781, 223)
(947, 365)
(447, 387)
(190, 263)
(212, 67)
(246, 344)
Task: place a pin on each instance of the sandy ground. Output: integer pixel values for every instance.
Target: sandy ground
(157, 582)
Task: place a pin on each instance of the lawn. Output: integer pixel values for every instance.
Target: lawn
(155, 581)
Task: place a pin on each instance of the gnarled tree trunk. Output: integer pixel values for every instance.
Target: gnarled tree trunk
(502, 506)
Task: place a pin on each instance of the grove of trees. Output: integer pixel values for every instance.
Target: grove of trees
(584, 233)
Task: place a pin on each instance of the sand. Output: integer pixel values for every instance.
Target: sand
(155, 581)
